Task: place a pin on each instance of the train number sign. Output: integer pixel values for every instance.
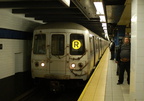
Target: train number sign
(76, 44)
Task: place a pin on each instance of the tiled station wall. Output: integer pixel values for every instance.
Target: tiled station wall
(15, 43)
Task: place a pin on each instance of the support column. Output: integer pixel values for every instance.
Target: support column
(137, 51)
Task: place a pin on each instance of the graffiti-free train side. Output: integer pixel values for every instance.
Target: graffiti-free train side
(64, 51)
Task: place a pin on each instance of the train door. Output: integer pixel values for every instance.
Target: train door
(93, 39)
(98, 49)
(58, 54)
(92, 51)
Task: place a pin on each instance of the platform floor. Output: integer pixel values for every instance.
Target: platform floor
(102, 86)
(113, 91)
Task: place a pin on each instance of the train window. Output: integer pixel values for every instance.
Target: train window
(39, 44)
(77, 45)
(57, 46)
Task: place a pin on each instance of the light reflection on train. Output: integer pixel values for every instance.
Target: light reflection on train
(65, 51)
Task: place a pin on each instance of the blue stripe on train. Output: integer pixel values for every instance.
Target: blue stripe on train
(13, 34)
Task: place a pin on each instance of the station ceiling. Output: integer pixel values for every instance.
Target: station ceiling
(80, 11)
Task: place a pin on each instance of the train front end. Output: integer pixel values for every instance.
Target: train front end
(60, 55)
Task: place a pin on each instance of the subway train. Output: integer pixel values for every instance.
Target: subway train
(65, 51)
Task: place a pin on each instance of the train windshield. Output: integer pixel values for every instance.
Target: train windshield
(57, 45)
(39, 44)
(77, 45)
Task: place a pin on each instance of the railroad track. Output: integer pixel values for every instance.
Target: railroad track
(43, 93)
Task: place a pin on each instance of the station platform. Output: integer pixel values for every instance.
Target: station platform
(102, 86)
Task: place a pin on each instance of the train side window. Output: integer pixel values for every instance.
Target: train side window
(77, 45)
(39, 44)
(57, 44)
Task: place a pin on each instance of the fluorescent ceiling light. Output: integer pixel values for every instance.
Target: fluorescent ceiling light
(102, 19)
(99, 7)
(105, 31)
(106, 34)
(100, 11)
(104, 25)
(66, 2)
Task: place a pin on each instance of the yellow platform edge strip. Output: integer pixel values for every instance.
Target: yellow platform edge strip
(97, 82)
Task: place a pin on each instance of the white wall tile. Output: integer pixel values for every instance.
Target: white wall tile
(139, 17)
(140, 44)
(140, 86)
(140, 2)
(139, 78)
(137, 56)
(140, 36)
(139, 95)
(140, 69)
(140, 24)
(140, 59)
(11, 47)
(140, 9)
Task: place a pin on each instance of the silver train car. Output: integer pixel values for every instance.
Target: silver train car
(65, 51)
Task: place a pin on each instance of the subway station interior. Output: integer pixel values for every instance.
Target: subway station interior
(22, 22)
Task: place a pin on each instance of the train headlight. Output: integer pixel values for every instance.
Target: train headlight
(42, 64)
(73, 65)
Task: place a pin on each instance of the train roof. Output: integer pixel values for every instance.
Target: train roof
(61, 25)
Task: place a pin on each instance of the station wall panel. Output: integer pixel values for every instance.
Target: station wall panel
(15, 43)
(12, 34)
(14, 56)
